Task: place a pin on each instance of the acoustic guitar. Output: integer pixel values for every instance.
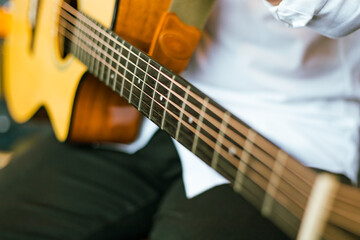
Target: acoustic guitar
(47, 59)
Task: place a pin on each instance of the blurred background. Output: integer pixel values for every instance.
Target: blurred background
(13, 135)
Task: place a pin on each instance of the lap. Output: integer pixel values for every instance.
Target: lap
(54, 190)
(58, 191)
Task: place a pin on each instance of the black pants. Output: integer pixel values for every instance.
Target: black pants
(52, 190)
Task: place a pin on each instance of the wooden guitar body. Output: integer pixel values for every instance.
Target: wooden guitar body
(87, 113)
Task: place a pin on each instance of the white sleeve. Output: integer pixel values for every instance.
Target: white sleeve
(332, 18)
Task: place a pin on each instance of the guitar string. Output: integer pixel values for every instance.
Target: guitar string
(264, 187)
(216, 126)
(74, 11)
(212, 108)
(212, 120)
(213, 133)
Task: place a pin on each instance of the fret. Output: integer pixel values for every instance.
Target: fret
(74, 47)
(154, 93)
(182, 112)
(94, 50)
(97, 60)
(173, 106)
(76, 41)
(134, 77)
(139, 78)
(87, 46)
(273, 184)
(167, 103)
(244, 161)
(102, 59)
(106, 60)
(162, 91)
(149, 88)
(121, 65)
(318, 208)
(143, 84)
(220, 139)
(83, 54)
(114, 64)
(199, 125)
(110, 54)
(129, 73)
(125, 68)
(118, 49)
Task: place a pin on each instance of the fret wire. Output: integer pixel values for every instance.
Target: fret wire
(97, 62)
(154, 92)
(110, 64)
(199, 124)
(102, 67)
(166, 105)
(277, 172)
(133, 78)
(245, 156)
(182, 111)
(104, 75)
(78, 49)
(143, 85)
(219, 139)
(117, 49)
(82, 54)
(92, 60)
(125, 69)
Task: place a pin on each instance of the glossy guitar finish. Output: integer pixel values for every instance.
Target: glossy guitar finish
(54, 81)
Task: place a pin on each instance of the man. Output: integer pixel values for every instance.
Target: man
(295, 86)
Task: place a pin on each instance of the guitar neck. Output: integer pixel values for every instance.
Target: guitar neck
(270, 179)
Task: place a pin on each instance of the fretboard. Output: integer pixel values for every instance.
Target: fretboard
(270, 179)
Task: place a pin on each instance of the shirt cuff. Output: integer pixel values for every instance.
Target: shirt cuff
(331, 18)
(291, 13)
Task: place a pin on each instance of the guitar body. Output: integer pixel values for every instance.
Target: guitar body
(79, 107)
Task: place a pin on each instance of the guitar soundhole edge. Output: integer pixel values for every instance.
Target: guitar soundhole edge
(65, 32)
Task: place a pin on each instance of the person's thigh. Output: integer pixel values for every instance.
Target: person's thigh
(218, 213)
(52, 190)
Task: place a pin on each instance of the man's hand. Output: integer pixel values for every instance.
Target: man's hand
(274, 2)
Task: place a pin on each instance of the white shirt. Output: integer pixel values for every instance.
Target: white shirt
(299, 89)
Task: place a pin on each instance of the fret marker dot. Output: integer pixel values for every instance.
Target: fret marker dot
(139, 81)
(232, 150)
(191, 120)
(161, 97)
(112, 76)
